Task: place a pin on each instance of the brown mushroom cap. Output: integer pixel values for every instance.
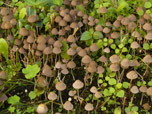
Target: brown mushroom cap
(91, 68)
(147, 26)
(94, 47)
(141, 20)
(106, 30)
(15, 48)
(6, 25)
(72, 93)
(47, 71)
(3, 97)
(134, 62)
(99, 28)
(71, 38)
(71, 51)
(13, 22)
(52, 96)
(114, 35)
(67, 18)
(131, 25)
(93, 89)
(41, 39)
(3, 75)
(58, 19)
(60, 86)
(33, 18)
(56, 50)
(148, 36)
(103, 59)
(114, 59)
(78, 84)
(132, 75)
(149, 91)
(143, 89)
(30, 39)
(42, 82)
(134, 45)
(86, 59)
(47, 50)
(54, 31)
(134, 90)
(62, 23)
(82, 52)
(146, 106)
(125, 21)
(63, 12)
(135, 34)
(17, 42)
(132, 17)
(68, 105)
(41, 46)
(103, 10)
(114, 67)
(4, 11)
(23, 32)
(100, 69)
(89, 107)
(74, 25)
(125, 63)
(64, 71)
(42, 109)
(147, 59)
(91, 23)
(98, 94)
(38, 53)
(71, 64)
(58, 65)
(116, 23)
(10, 37)
(62, 32)
(22, 51)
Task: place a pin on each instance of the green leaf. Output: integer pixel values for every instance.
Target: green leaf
(113, 46)
(97, 35)
(4, 48)
(122, 4)
(117, 110)
(99, 44)
(124, 49)
(100, 81)
(140, 12)
(106, 93)
(120, 93)
(119, 85)
(147, 5)
(126, 85)
(111, 90)
(22, 13)
(32, 95)
(11, 109)
(65, 48)
(30, 11)
(58, 2)
(150, 83)
(146, 46)
(81, 8)
(1, 3)
(89, 42)
(13, 99)
(112, 81)
(31, 71)
(134, 108)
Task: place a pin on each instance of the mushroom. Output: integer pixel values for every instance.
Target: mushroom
(86, 59)
(71, 65)
(60, 86)
(42, 82)
(114, 59)
(89, 107)
(78, 85)
(72, 93)
(142, 89)
(134, 90)
(33, 18)
(68, 106)
(47, 71)
(42, 109)
(94, 47)
(3, 75)
(52, 97)
(23, 32)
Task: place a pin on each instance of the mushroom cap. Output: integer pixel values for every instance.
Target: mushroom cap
(131, 25)
(62, 12)
(72, 93)
(147, 59)
(74, 25)
(86, 59)
(103, 59)
(60, 86)
(134, 62)
(67, 28)
(91, 23)
(41, 39)
(89, 107)
(135, 45)
(143, 89)
(146, 16)
(6, 25)
(47, 71)
(136, 34)
(149, 91)
(132, 17)
(106, 30)
(94, 47)
(148, 36)
(30, 39)
(67, 18)
(33, 18)
(114, 67)
(146, 106)
(116, 23)
(100, 69)
(42, 82)
(71, 51)
(13, 22)
(103, 10)
(93, 89)
(71, 64)
(125, 21)
(10, 37)
(17, 42)
(51, 41)
(54, 31)
(52, 96)
(114, 59)
(64, 71)
(132, 75)
(82, 52)
(141, 20)
(78, 84)
(134, 90)
(125, 63)
(3, 97)
(120, 17)
(62, 23)
(98, 94)
(15, 48)
(56, 50)
(23, 32)
(71, 38)
(42, 109)
(114, 35)
(91, 68)
(47, 50)
(99, 28)
(58, 65)
(4, 11)
(22, 50)
(3, 75)
(62, 32)
(106, 50)
(68, 105)
(38, 53)
(58, 19)
(147, 26)
(41, 46)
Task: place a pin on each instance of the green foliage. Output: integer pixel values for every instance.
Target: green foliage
(120, 93)
(58, 2)
(14, 99)
(11, 109)
(147, 4)
(32, 95)
(126, 85)
(86, 35)
(22, 13)
(38, 3)
(4, 48)
(117, 110)
(31, 71)
(112, 81)
(65, 48)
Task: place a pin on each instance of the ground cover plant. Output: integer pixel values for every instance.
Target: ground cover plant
(75, 57)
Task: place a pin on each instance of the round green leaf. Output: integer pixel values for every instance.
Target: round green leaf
(112, 81)
(32, 95)
(13, 99)
(86, 36)
(147, 5)
(146, 46)
(97, 35)
(120, 93)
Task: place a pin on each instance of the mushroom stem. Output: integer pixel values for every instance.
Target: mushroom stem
(68, 112)
(72, 74)
(51, 107)
(88, 112)
(141, 98)
(132, 98)
(61, 97)
(78, 93)
(121, 75)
